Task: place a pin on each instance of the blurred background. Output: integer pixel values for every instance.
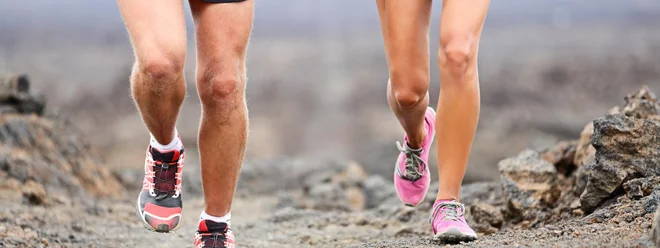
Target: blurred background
(317, 75)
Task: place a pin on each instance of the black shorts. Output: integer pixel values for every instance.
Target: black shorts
(223, 1)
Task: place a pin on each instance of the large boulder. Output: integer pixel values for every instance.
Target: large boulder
(627, 146)
(528, 183)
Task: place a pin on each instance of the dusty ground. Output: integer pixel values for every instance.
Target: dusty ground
(257, 224)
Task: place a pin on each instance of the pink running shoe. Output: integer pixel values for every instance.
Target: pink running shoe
(449, 224)
(411, 173)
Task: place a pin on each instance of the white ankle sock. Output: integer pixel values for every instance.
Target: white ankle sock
(221, 219)
(175, 144)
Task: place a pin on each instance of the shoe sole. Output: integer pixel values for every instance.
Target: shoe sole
(449, 238)
(453, 236)
(427, 184)
(162, 228)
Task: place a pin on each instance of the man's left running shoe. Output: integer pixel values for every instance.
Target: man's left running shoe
(212, 234)
(448, 222)
(159, 203)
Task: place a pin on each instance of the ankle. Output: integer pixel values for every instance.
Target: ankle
(445, 197)
(173, 144)
(226, 218)
(416, 142)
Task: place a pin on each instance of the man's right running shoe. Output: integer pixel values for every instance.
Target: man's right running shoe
(411, 173)
(159, 204)
(212, 234)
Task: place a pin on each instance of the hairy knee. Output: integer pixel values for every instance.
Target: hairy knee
(409, 86)
(221, 92)
(159, 68)
(157, 74)
(456, 54)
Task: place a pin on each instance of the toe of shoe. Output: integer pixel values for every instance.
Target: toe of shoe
(162, 225)
(409, 194)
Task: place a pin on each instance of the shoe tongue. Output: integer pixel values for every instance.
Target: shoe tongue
(442, 201)
(167, 174)
(212, 226)
(166, 156)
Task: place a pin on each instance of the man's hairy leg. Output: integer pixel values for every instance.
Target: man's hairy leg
(222, 33)
(158, 36)
(159, 40)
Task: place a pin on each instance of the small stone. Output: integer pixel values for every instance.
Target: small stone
(361, 221)
(34, 193)
(77, 227)
(575, 204)
(641, 187)
(96, 210)
(641, 104)
(578, 212)
(305, 239)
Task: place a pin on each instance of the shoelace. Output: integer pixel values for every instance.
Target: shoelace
(414, 164)
(162, 177)
(449, 211)
(213, 240)
(216, 237)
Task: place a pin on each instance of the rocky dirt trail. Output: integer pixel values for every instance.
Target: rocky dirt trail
(599, 190)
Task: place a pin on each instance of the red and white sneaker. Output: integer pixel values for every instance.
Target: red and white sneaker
(159, 204)
(212, 234)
